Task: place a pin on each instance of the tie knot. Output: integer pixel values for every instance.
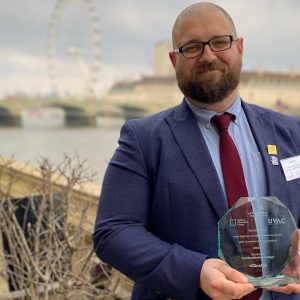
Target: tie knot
(222, 121)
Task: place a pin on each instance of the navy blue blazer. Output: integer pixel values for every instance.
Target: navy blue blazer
(161, 199)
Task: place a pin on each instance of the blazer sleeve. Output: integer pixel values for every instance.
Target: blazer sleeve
(121, 237)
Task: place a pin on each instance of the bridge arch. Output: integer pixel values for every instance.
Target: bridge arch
(8, 118)
(76, 116)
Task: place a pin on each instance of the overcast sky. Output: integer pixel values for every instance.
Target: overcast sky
(129, 30)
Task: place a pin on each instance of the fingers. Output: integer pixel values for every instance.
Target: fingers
(288, 289)
(233, 290)
(220, 282)
(295, 240)
(232, 274)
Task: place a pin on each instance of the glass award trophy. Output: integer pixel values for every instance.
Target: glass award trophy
(258, 237)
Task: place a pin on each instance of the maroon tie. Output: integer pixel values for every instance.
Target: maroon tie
(232, 170)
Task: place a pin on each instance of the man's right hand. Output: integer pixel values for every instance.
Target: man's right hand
(221, 282)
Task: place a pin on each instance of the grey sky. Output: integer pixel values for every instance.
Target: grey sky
(129, 30)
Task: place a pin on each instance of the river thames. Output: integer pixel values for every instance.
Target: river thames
(30, 145)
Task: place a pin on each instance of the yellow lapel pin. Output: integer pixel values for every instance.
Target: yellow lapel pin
(272, 149)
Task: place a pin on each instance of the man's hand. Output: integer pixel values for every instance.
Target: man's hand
(293, 269)
(220, 282)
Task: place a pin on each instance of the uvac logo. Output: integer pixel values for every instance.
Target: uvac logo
(276, 221)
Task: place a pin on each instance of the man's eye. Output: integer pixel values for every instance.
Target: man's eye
(192, 48)
(220, 43)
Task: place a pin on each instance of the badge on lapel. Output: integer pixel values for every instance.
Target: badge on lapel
(272, 150)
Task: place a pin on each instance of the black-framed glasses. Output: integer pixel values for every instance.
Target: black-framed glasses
(216, 44)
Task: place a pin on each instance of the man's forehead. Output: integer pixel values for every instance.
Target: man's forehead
(189, 18)
(200, 10)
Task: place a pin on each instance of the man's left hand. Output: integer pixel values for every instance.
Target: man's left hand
(293, 269)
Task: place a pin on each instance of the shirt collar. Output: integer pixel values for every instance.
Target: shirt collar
(204, 115)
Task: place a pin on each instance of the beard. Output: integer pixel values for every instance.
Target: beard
(210, 88)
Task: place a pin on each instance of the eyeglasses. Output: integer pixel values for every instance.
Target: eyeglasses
(216, 44)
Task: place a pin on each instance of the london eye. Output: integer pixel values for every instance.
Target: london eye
(89, 68)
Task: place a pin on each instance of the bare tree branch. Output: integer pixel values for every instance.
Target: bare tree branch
(46, 255)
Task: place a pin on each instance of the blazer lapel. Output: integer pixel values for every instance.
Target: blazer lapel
(264, 134)
(189, 138)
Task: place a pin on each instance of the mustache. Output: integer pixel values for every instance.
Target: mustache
(211, 66)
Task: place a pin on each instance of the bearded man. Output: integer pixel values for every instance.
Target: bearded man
(169, 182)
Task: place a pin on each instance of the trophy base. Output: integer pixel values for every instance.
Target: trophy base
(267, 282)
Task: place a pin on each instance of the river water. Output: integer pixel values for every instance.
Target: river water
(32, 144)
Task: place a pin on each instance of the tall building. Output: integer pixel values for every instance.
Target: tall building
(162, 66)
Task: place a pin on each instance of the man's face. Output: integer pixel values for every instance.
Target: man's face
(212, 76)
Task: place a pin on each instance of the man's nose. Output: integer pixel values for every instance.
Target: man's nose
(208, 54)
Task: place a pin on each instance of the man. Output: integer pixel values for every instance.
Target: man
(164, 189)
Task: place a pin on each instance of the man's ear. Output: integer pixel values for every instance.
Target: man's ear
(172, 56)
(240, 45)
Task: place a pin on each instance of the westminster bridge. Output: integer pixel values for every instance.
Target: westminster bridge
(73, 112)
